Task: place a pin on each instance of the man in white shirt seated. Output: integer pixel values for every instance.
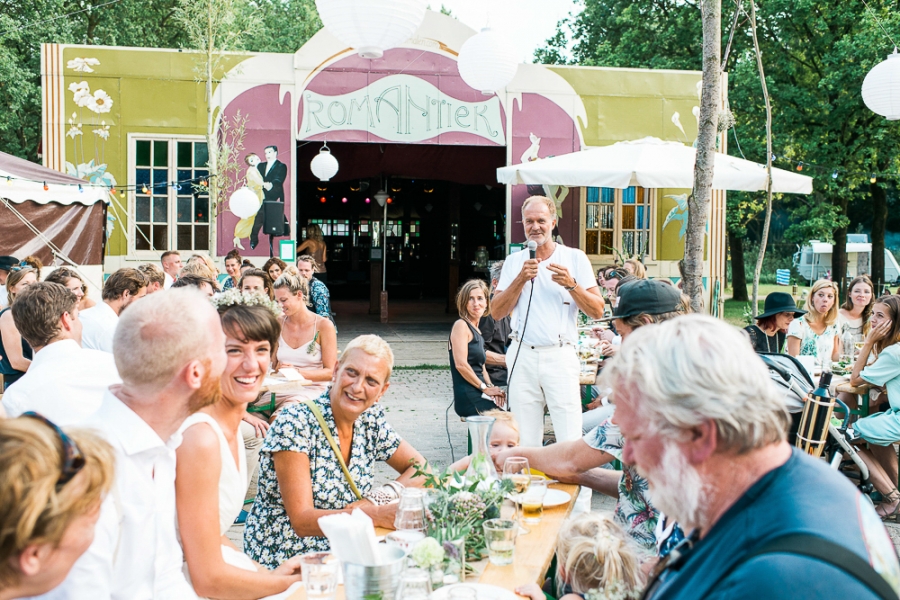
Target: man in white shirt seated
(6, 263)
(171, 265)
(171, 356)
(65, 382)
(156, 278)
(121, 289)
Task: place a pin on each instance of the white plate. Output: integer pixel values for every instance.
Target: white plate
(484, 591)
(554, 498)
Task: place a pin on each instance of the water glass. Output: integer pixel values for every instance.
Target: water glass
(411, 511)
(415, 584)
(462, 592)
(404, 539)
(320, 575)
(517, 470)
(500, 539)
(533, 500)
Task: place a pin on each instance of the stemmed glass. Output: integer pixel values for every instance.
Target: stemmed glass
(517, 470)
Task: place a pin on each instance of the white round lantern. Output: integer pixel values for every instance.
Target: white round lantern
(881, 88)
(244, 203)
(381, 197)
(487, 62)
(372, 26)
(324, 165)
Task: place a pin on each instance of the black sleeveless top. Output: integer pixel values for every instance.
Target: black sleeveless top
(11, 375)
(764, 343)
(467, 398)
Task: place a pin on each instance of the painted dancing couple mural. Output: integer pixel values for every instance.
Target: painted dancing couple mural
(266, 179)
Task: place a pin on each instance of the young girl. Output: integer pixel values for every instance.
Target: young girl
(504, 435)
(593, 556)
(882, 430)
(816, 332)
(855, 312)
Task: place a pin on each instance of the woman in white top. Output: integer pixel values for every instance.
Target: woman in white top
(211, 475)
(857, 310)
(816, 333)
(308, 342)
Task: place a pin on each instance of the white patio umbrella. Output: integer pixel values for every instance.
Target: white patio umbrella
(649, 163)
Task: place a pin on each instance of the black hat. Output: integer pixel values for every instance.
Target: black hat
(7, 262)
(646, 296)
(779, 302)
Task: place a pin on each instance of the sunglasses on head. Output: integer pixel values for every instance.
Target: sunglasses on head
(72, 458)
(21, 266)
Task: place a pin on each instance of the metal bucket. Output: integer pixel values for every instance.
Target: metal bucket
(381, 581)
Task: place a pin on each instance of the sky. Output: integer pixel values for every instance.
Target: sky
(527, 24)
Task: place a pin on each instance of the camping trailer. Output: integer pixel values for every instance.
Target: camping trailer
(813, 261)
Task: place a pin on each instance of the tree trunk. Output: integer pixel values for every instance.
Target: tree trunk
(879, 217)
(699, 201)
(839, 253)
(738, 271)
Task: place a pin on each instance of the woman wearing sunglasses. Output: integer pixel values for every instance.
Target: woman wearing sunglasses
(51, 486)
(15, 353)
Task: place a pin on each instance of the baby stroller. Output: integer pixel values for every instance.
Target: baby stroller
(790, 376)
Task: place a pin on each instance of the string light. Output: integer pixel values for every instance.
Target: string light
(368, 200)
(46, 187)
(344, 200)
(144, 189)
(322, 199)
(8, 181)
(390, 200)
(834, 175)
(80, 189)
(800, 166)
(873, 179)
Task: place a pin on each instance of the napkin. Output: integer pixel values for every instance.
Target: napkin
(352, 538)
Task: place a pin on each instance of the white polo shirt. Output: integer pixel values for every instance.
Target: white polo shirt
(169, 281)
(65, 383)
(552, 317)
(98, 327)
(135, 554)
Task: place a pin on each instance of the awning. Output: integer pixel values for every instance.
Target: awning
(21, 181)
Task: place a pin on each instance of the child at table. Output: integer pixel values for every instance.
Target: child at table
(504, 435)
(593, 557)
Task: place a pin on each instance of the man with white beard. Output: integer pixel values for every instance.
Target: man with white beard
(703, 423)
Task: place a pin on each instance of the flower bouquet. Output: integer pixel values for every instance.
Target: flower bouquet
(456, 508)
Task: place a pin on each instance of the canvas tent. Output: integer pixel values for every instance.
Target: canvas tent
(64, 221)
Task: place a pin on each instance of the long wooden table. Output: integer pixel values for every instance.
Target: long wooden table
(534, 551)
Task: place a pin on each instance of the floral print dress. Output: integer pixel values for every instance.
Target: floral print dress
(809, 339)
(269, 538)
(633, 510)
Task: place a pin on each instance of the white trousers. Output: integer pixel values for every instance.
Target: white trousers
(544, 376)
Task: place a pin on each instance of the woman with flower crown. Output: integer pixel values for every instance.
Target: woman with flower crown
(211, 474)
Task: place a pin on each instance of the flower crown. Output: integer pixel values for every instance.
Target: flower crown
(234, 297)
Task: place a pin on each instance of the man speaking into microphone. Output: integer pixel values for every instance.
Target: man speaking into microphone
(543, 289)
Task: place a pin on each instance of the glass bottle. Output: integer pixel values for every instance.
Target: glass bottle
(481, 467)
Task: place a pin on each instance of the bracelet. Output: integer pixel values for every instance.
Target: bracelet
(569, 289)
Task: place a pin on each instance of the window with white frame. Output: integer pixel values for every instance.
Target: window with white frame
(171, 203)
(617, 221)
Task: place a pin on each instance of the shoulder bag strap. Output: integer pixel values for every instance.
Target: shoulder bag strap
(828, 552)
(334, 447)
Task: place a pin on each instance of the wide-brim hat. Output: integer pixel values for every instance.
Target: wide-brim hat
(779, 302)
(646, 296)
(8, 262)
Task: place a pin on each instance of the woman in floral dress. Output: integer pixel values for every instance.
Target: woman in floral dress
(816, 333)
(300, 477)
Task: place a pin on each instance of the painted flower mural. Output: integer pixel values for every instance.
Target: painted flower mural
(83, 65)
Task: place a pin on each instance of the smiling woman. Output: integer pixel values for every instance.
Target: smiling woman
(319, 456)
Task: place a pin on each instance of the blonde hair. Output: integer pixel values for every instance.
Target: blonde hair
(199, 268)
(551, 205)
(462, 297)
(639, 270)
(14, 278)
(502, 416)
(372, 345)
(195, 258)
(309, 259)
(812, 315)
(156, 337)
(593, 553)
(34, 510)
(293, 283)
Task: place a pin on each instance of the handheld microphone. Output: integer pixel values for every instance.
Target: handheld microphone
(532, 249)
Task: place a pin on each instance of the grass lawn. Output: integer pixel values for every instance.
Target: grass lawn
(734, 311)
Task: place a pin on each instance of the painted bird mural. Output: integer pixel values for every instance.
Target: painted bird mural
(679, 213)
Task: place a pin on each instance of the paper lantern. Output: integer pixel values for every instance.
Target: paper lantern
(372, 26)
(244, 203)
(324, 165)
(487, 62)
(881, 88)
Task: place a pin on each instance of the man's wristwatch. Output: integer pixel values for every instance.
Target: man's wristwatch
(484, 386)
(569, 289)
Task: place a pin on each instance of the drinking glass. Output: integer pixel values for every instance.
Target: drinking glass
(533, 500)
(462, 592)
(411, 511)
(320, 575)
(500, 539)
(415, 584)
(517, 470)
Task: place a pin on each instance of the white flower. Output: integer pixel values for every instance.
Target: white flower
(83, 65)
(77, 87)
(103, 132)
(83, 99)
(102, 103)
(74, 130)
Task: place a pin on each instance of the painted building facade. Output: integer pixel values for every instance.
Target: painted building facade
(405, 123)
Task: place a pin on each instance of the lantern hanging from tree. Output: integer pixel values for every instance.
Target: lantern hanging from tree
(324, 165)
(487, 62)
(244, 203)
(372, 26)
(881, 88)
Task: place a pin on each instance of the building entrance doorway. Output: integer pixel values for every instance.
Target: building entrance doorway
(443, 204)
